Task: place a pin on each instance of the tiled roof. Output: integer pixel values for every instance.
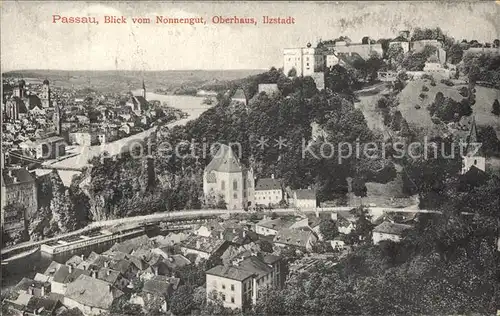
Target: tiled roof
(45, 304)
(205, 244)
(391, 228)
(268, 184)
(176, 261)
(305, 194)
(224, 161)
(64, 276)
(133, 244)
(275, 224)
(108, 275)
(121, 265)
(256, 266)
(293, 237)
(92, 292)
(230, 272)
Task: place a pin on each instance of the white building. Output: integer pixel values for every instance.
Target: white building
(389, 231)
(304, 198)
(269, 227)
(268, 191)
(239, 283)
(305, 60)
(225, 176)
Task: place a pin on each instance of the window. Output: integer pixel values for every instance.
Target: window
(232, 287)
(235, 185)
(223, 286)
(232, 299)
(244, 194)
(223, 297)
(235, 195)
(223, 185)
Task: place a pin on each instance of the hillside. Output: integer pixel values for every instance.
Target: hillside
(409, 97)
(124, 80)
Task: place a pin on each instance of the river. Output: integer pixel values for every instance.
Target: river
(38, 262)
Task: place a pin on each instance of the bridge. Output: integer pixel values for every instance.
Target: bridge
(187, 215)
(387, 76)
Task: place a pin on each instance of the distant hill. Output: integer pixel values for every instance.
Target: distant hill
(125, 80)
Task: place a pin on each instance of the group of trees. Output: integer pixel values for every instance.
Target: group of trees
(449, 110)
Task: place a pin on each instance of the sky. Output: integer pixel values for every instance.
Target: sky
(29, 39)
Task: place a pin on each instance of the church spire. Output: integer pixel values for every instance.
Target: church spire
(143, 89)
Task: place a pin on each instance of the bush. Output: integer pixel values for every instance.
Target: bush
(427, 76)
(464, 92)
(425, 88)
(447, 82)
(433, 83)
(423, 96)
(417, 106)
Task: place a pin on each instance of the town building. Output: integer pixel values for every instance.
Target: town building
(295, 238)
(90, 295)
(19, 188)
(204, 247)
(304, 60)
(225, 176)
(271, 227)
(389, 231)
(304, 198)
(268, 191)
(239, 284)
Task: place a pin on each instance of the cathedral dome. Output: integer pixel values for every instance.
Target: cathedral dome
(22, 83)
(46, 81)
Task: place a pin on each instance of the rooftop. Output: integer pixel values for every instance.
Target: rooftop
(230, 272)
(391, 228)
(224, 161)
(92, 292)
(275, 224)
(268, 184)
(293, 237)
(20, 175)
(205, 244)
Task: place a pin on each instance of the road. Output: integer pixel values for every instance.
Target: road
(189, 214)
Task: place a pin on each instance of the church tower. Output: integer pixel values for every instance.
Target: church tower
(45, 95)
(143, 90)
(57, 119)
(472, 155)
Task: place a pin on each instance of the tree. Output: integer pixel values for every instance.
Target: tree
(495, 108)
(181, 302)
(292, 72)
(395, 54)
(328, 229)
(455, 53)
(362, 227)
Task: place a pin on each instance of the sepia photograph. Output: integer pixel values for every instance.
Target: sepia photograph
(254, 158)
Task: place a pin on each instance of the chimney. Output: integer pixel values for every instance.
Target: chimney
(82, 256)
(14, 179)
(43, 290)
(221, 235)
(31, 290)
(94, 274)
(108, 272)
(70, 268)
(244, 233)
(272, 176)
(155, 269)
(106, 264)
(234, 230)
(198, 244)
(10, 173)
(109, 287)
